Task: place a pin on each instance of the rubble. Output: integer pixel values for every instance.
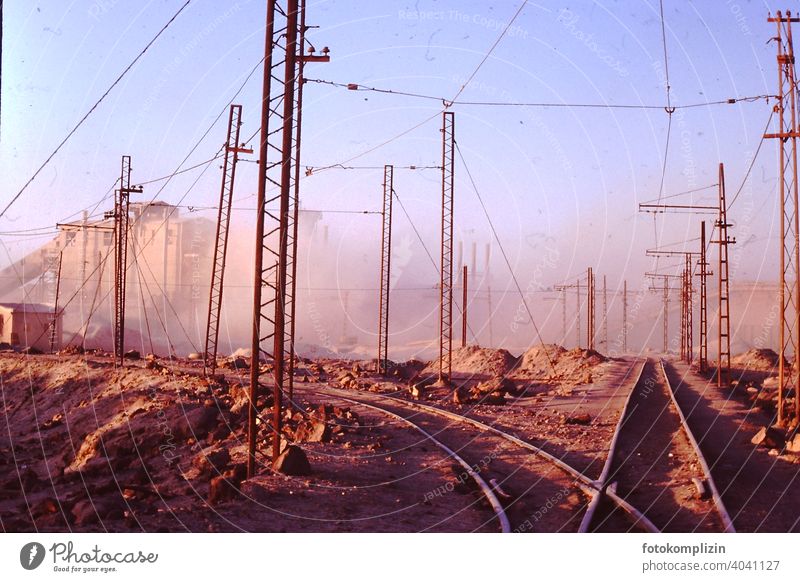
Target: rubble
(292, 461)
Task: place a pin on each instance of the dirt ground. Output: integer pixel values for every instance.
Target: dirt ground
(156, 446)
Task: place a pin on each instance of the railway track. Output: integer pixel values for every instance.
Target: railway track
(655, 463)
(534, 485)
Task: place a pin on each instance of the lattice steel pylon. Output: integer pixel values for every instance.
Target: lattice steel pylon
(605, 314)
(121, 210)
(724, 312)
(704, 273)
(688, 299)
(55, 340)
(386, 265)
(625, 316)
(789, 293)
(666, 314)
(590, 310)
(232, 151)
(274, 167)
(446, 271)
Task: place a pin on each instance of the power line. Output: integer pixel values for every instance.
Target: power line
(95, 106)
(753, 161)
(543, 104)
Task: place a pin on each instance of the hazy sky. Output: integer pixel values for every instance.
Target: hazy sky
(563, 179)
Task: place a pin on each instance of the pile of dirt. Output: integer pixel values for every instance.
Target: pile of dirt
(475, 362)
(551, 362)
(762, 359)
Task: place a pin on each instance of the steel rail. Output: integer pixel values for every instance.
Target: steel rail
(497, 507)
(602, 482)
(584, 482)
(723, 512)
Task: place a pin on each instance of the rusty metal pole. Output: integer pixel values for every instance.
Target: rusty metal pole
(578, 301)
(386, 266)
(54, 330)
(446, 271)
(232, 151)
(261, 210)
(683, 312)
(590, 310)
(464, 309)
(689, 311)
(605, 315)
(703, 356)
(666, 315)
(121, 211)
(796, 222)
(724, 325)
(625, 316)
(564, 315)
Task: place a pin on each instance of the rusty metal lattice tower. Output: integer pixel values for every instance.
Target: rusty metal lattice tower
(605, 314)
(789, 292)
(590, 301)
(724, 313)
(578, 301)
(666, 290)
(232, 151)
(464, 302)
(386, 264)
(121, 211)
(446, 271)
(704, 273)
(54, 338)
(276, 156)
(625, 316)
(689, 311)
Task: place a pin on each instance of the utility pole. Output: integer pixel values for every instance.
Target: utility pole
(232, 151)
(605, 314)
(279, 137)
(488, 275)
(446, 271)
(386, 264)
(724, 321)
(121, 256)
(464, 310)
(54, 330)
(590, 310)
(303, 56)
(703, 264)
(666, 314)
(578, 301)
(789, 294)
(564, 316)
(689, 349)
(625, 316)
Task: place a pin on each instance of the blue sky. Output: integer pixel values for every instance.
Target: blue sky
(566, 175)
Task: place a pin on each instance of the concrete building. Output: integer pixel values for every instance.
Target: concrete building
(28, 325)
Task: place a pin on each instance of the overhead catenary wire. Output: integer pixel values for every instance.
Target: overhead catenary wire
(94, 107)
(541, 104)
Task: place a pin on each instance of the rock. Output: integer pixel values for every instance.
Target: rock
(702, 491)
(768, 437)
(195, 356)
(255, 491)
(32, 351)
(221, 489)
(580, 419)
(237, 363)
(133, 354)
(212, 462)
(226, 486)
(196, 422)
(793, 445)
(313, 431)
(292, 461)
(84, 513)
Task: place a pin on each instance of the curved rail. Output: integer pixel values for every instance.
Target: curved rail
(588, 485)
(723, 512)
(497, 507)
(602, 482)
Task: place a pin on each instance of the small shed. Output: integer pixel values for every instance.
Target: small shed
(28, 325)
